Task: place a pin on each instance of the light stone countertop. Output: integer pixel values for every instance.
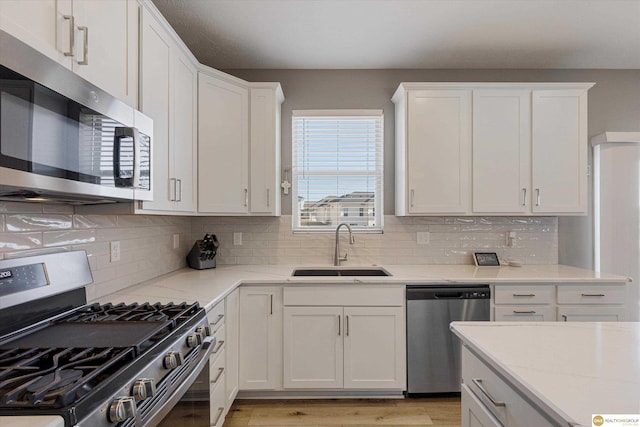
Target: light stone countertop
(208, 287)
(572, 370)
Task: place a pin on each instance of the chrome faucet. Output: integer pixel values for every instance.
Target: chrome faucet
(337, 258)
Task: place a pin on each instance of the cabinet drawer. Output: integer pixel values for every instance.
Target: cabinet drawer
(345, 295)
(216, 316)
(524, 313)
(219, 345)
(217, 393)
(474, 413)
(216, 368)
(591, 294)
(517, 294)
(497, 396)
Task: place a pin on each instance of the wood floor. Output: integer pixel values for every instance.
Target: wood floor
(436, 411)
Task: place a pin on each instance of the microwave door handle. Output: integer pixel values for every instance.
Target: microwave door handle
(117, 172)
(136, 158)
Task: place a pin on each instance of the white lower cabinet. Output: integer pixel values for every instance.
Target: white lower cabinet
(537, 302)
(489, 400)
(592, 303)
(343, 347)
(232, 311)
(218, 365)
(474, 413)
(260, 338)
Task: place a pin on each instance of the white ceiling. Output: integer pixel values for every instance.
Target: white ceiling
(380, 34)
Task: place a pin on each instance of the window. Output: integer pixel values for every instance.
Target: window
(337, 169)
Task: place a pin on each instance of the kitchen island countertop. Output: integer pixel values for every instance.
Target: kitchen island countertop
(210, 286)
(571, 370)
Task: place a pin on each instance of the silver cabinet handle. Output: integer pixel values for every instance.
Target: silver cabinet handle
(523, 312)
(220, 371)
(346, 318)
(271, 305)
(412, 197)
(218, 319)
(524, 197)
(220, 412)
(246, 197)
(524, 295)
(339, 325)
(179, 192)
(85, 45)
(478, 383)
(268, 197)
(564, 317)
(592, 295)
(537, 197)
(218, 347)
(172, 189)
(72, 31)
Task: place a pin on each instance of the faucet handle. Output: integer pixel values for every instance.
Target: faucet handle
(344, 258)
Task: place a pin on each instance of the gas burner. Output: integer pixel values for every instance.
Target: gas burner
(55, 377)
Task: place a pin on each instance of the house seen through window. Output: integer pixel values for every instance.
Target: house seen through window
(337, 169)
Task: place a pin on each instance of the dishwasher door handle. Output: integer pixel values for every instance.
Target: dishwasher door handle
(448, 295)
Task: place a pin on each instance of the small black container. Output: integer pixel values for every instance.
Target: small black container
(203, 253)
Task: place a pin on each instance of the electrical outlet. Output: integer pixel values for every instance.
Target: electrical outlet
(423, 237)
(114, 248)
(176, 241)
(237, 238)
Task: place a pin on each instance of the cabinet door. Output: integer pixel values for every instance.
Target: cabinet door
(439, 151)
(182, 164)
(374, 348)
(103, 42)
(232, 316)
(45, 25)
(260, 338)
(534, 313)
(474, 413)
(559, 151)
(501, 145)
(591, 314)
(313, 347)
(155, 82)
(265, 152)
(223, 156)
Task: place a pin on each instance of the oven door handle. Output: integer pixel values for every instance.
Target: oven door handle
(200, 364)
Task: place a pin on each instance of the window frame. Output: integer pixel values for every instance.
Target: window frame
(378, 206)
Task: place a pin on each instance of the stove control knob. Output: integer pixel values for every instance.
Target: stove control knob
(173, 359)
(204, 331)
(194, 339)
(121, 409)
(143, 389)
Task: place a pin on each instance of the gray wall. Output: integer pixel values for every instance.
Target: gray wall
(614, 105)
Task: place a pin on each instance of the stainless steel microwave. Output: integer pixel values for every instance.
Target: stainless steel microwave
(63, 139)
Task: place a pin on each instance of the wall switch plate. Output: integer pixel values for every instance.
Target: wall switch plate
(423, 237)
(114, 248)
(176, 241)
(237, 238)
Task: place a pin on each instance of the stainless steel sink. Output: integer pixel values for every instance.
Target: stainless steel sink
(340, 271)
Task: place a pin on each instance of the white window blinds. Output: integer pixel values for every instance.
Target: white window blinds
(337, 169)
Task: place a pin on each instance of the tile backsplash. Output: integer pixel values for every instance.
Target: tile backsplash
(147, 241)
(452, 240)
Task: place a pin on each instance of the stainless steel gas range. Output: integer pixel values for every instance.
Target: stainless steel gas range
(93, 365)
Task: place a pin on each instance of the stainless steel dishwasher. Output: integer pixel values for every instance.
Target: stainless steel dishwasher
(433, 352)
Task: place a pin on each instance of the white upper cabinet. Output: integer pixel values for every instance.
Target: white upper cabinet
(434, 147)
(97, 39)
(517, 148)
(168, 94)
(223, 145)
(559, 151)
(265, 102)
(501, 147)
